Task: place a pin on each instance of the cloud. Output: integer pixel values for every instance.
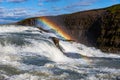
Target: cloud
(15, 14)
(55, 8)
(1, 0)
(2, 10)
(40, 4)
(42, 1)
(81, 3)
(16, 1)
(51, 0)
(43, 10)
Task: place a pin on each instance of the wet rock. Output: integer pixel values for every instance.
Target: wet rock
(42, 29)
(118, 78)
(56, 41)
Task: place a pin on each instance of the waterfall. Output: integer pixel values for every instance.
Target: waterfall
(28, 53)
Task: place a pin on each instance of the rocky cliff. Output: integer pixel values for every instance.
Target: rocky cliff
(99, 28)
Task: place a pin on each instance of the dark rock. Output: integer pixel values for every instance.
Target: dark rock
(42, 29)
(118, 78)
(56, 42)
(27, 22)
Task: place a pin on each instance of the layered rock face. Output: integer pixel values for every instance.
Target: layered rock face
(99, 28)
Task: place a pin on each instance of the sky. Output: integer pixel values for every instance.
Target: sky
(15, 10)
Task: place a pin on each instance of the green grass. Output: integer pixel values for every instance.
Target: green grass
(114, 9)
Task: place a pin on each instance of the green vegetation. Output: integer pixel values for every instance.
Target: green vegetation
(114, 9)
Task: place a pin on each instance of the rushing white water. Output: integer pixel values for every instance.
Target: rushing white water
(26, 53)
(84, 50)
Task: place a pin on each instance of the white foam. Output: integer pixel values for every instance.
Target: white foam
(25, 76)
(13, 28)
(73, 47)
(24, 29)
(11, 54)
(39, 48)
(48, 50)
(8, 55)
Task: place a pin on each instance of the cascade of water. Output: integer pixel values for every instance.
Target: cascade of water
(27, 49)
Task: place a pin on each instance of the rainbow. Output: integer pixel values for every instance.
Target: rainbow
(52, 25)
(49, 23)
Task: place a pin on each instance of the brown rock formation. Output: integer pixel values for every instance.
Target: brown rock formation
(27, 22)
(56, 42)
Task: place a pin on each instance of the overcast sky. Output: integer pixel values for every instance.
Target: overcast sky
(14, 10)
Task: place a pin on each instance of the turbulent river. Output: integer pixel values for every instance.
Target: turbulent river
(26, 53)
